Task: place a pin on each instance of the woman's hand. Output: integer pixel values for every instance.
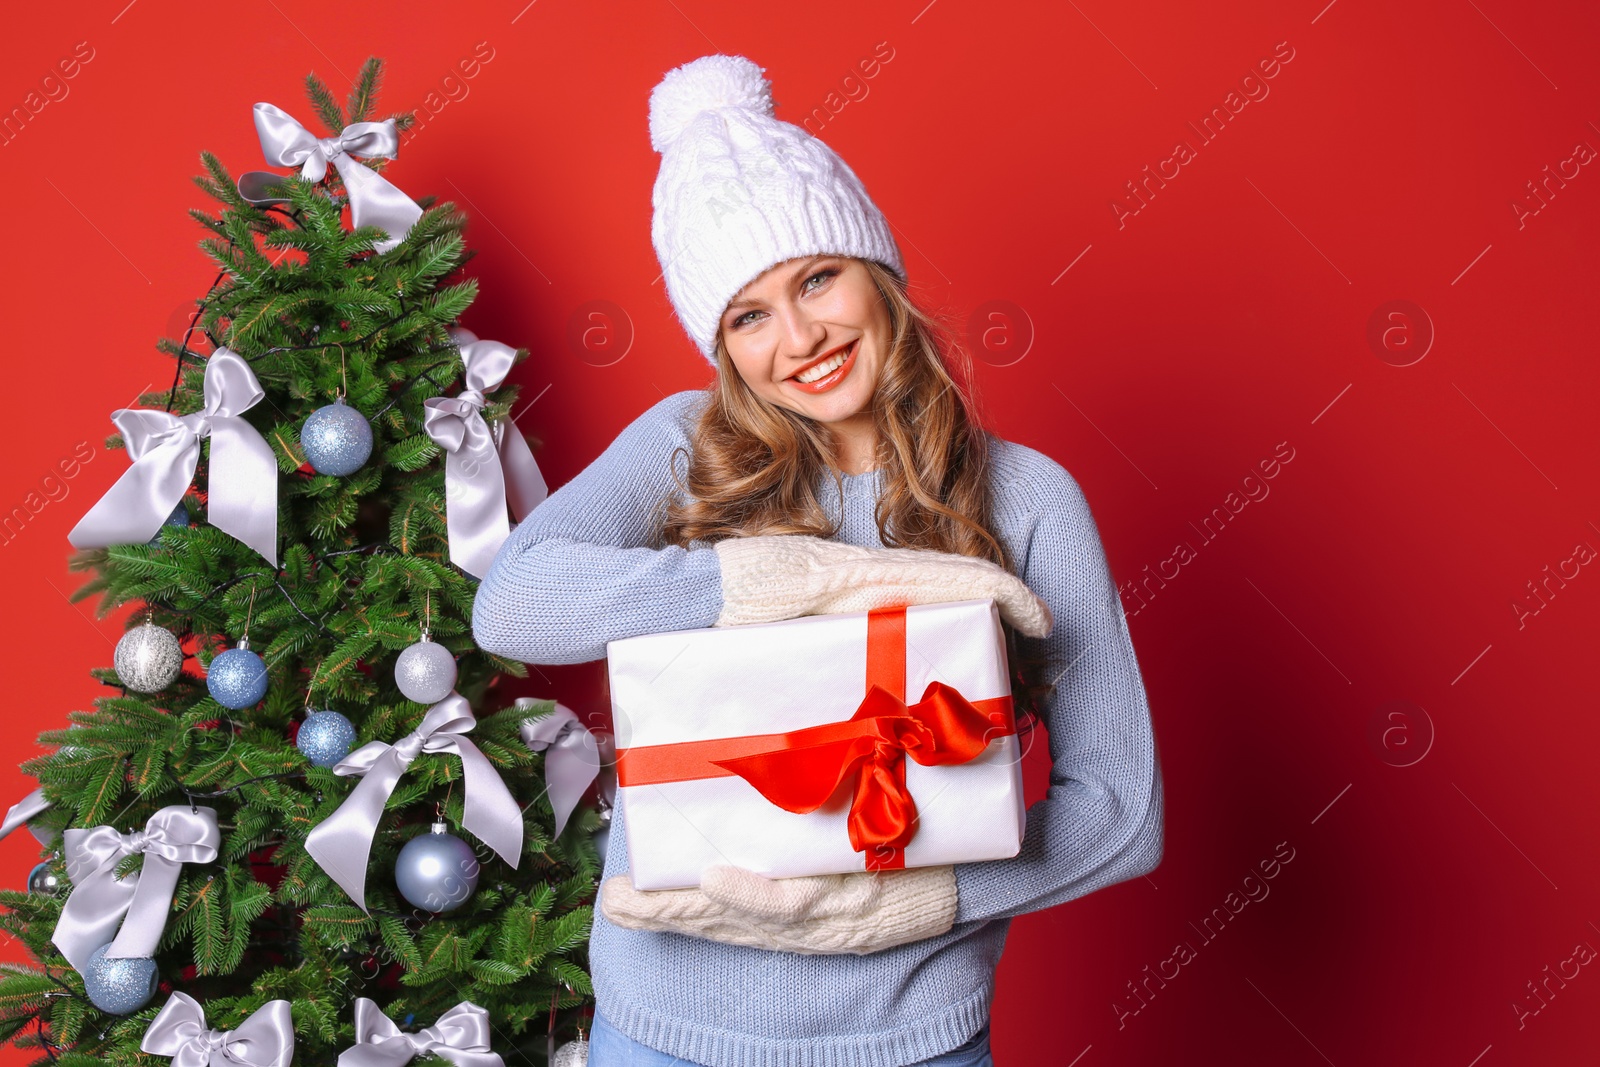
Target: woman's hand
(858, 913)
(783, 576)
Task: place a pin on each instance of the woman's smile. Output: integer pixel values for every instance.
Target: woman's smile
(827, 373)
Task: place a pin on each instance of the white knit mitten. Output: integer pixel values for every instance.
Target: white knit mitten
(782, 576)
(857, 913)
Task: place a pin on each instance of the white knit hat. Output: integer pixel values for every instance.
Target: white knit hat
(739, 191)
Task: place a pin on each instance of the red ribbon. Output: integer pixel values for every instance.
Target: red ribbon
(800, 769)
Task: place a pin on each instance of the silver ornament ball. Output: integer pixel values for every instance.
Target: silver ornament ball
(148, 658)
(325, 738)
(44, 882)
(337, 439)
(436, 872)
(425, 672)
(237, 678)
(119, 986)
(572, 1054)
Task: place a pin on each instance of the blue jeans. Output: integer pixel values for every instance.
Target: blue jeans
(610, 1047)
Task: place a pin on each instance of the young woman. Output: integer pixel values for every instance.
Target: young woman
(834, 465)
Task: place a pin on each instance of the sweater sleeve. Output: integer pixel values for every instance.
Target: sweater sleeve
(578, 571)
(1101, 821)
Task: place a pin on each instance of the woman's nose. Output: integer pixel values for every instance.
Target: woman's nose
(801, 332)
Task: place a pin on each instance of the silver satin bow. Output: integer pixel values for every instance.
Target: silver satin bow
(485, 468)
(265, 1039)
(573, 757)
(374, 200)
(342, 842)
(461, 1036)
(241, 488)
(22, 812)
(99, 899)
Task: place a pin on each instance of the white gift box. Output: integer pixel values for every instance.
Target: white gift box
(682, 699)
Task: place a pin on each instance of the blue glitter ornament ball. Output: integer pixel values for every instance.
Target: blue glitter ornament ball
(120, 987)
(325, 738)
(179, 517)
(237, 678)
(337, 439)
(436, 872)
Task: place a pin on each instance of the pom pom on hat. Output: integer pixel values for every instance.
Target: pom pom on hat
(740, 193)
(705, 84)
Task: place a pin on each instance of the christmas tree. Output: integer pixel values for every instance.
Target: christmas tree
(321, 600)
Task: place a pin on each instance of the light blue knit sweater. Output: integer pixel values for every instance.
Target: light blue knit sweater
(579, 572)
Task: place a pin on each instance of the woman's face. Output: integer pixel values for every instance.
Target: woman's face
(803, 315)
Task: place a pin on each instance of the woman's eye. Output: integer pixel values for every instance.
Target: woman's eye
(806, 285)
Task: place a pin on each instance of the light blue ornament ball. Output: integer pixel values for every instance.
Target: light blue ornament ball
(436, 872)
(325, 738)
(179, 517)
(237, 678)
(337, 439)
(120, 987)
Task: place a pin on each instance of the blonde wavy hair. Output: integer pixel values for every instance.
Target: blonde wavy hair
(754, 466)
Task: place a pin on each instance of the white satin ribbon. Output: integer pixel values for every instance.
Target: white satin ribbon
(573, 757)
(99, 899)
(265, 1039)
(461, 1036)
(374, 200)
(342, 842)
(22, 812)
(242, 478)
(485, 468)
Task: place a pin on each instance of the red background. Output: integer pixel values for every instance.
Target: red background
(1229, 315)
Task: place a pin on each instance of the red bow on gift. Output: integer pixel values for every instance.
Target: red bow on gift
(800, 769)
(871, 747)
